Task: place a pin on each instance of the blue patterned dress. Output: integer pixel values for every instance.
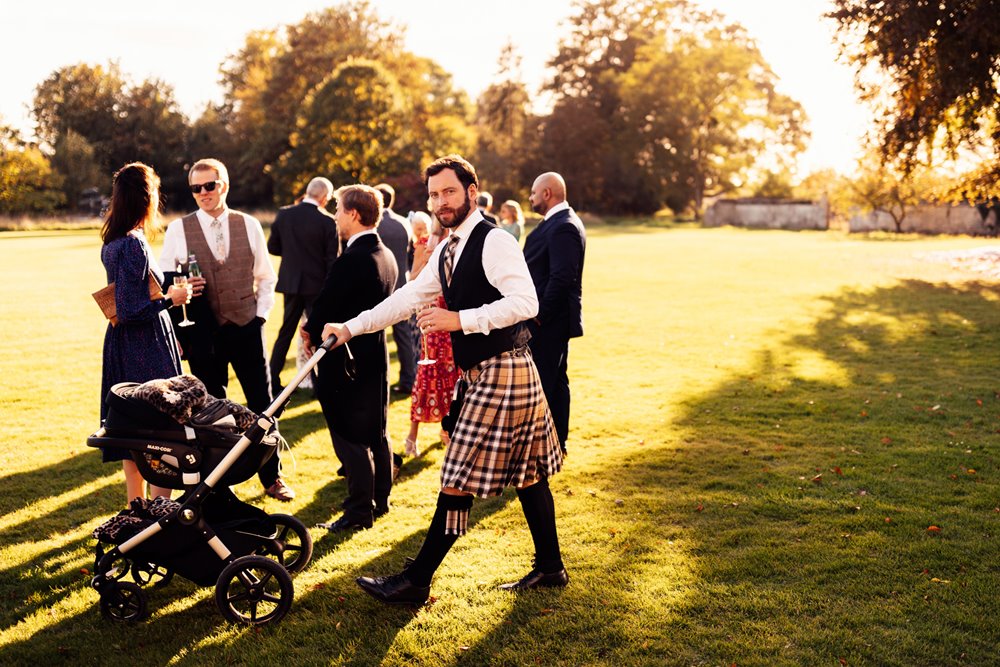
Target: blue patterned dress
(142, 346)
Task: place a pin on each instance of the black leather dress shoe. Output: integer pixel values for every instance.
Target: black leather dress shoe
(395, 589)
(379, 512)
(536, 579)
(343, 523)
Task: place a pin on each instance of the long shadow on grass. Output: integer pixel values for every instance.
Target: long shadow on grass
(809, 484)
(24, 488)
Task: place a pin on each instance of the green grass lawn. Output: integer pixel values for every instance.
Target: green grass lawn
(765, 425)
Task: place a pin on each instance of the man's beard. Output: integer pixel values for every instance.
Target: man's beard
(459, 214)
(538, 208)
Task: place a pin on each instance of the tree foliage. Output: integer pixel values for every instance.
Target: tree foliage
(267, 81)
(27, 184)
(658, 103)
(505, 131)
(352, 130)
(100, 117)
(939, 67)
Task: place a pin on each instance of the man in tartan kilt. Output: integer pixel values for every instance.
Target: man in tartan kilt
(503, 433)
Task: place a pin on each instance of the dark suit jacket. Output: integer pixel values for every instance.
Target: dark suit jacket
(394, 230)
(362, 277)
(305, 237)
(554, 253)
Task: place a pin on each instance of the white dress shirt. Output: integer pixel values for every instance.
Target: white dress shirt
(175, 251)
(359, 235)
(503, 263)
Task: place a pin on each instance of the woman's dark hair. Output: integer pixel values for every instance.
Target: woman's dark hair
(466, 172)
(135, 200)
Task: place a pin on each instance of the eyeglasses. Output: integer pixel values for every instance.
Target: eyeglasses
(209, 187)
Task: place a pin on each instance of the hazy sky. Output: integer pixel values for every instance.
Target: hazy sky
(183, 42)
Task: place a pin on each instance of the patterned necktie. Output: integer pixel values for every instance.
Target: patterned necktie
(220, 241)
(449, 257)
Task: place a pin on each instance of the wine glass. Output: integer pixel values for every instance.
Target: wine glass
(423, 338)
(182, 281)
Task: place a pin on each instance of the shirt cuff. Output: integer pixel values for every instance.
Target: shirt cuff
(474, 320)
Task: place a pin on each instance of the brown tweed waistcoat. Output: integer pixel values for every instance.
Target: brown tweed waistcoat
(228, 284)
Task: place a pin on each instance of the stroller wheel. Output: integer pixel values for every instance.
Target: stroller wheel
(123, 601)
(254, 590)
(151, 573)
(292, 545)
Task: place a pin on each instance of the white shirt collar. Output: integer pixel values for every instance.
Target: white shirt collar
(561, 206)
(359, 235)
(464, 229)
(207, 219)
(310, 200)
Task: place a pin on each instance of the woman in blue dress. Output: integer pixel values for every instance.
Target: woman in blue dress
(142, 345)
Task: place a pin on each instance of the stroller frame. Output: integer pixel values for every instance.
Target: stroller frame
(246, 582)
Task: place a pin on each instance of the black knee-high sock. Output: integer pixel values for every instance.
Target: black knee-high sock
(540, 512)
(440, 537)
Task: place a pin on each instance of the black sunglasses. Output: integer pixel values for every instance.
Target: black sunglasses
(209, 187)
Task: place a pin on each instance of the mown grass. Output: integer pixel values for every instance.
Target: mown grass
(765, 425)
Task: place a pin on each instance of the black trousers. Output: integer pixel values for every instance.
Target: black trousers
(295, 305)
(368, 469)
(551, 352)
(243, 348)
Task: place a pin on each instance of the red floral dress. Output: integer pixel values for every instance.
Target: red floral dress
(434, 384)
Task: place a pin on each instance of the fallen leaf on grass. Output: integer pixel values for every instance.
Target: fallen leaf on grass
(619, 502)
(700, 507)
(933, 529)
(971, 471)
(318, 587)
(84, 570)
(837, 471)
(886, 440)
(545, 611)
(952, 476)
(864, 413)
(888, 519)
(979, 402)
(940, 581)
(818, 479)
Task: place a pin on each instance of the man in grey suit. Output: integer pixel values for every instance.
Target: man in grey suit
(305, 237)
(397, 236)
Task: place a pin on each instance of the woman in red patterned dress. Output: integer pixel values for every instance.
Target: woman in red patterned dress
(435, 382)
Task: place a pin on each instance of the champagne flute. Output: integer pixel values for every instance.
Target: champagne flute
(181, 281)
(423, 338)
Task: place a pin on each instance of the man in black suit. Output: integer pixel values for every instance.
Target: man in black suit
(305, 237)
(354, 391)
(396, 234)
(484, 202)
(554, 252)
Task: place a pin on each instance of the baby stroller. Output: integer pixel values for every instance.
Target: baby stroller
(207, 535)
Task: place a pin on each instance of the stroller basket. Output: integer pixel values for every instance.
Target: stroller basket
(171, 454)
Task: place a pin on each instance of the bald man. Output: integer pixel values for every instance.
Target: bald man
(554, 253)
(305, 237)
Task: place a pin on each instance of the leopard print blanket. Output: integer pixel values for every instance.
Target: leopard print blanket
(185, 399)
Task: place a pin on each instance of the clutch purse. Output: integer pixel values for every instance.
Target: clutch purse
(105, 298)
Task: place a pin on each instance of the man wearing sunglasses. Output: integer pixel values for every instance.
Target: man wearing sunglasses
(353, 382)
(232, 299)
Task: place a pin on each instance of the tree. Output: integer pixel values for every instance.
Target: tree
(707, 111)
(102, 118)
(27, 184)
(503, 127)
(661, 104)
(76, 165)
(889, 189)
(938, 63)
(353, 130)
(266, 82)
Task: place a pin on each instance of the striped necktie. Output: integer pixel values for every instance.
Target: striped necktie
(449, 257)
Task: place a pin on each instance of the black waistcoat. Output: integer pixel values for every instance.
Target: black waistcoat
(470, 289)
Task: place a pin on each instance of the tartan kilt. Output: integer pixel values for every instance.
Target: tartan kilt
(504, 435)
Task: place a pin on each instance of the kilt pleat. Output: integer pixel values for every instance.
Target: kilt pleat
(504, 435)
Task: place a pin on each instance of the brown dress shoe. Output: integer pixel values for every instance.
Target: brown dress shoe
(280, 491)
(537, 579)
